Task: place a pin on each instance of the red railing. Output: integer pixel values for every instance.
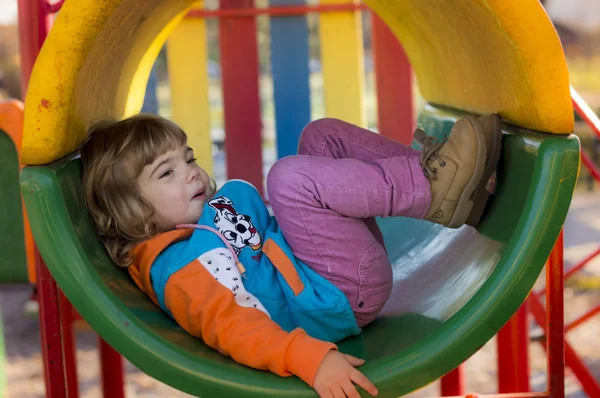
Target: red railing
(56, 313)
(589, 384)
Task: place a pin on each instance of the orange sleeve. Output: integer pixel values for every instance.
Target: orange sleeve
(207, 309)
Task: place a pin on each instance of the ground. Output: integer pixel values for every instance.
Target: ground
(582, 235)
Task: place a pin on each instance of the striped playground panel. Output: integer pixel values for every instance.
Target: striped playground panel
(393, 78)
(342, 65)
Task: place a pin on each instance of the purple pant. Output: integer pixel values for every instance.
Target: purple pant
(325, 198)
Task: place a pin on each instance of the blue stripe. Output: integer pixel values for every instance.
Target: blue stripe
(289, 58)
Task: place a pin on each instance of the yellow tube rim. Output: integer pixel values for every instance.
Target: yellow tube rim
(479, 56)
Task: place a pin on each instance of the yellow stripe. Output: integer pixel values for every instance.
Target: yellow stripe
(342, 59)
(187, 57)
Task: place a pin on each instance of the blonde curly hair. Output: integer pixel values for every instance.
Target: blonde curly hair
(113, 157)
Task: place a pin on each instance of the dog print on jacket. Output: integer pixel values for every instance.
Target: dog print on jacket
(237, 228)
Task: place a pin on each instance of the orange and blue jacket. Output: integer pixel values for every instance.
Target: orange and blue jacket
(233, 281)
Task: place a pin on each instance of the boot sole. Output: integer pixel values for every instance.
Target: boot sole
(466, 201)
(481, 193)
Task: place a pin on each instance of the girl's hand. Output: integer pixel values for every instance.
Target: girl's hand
(336, 377)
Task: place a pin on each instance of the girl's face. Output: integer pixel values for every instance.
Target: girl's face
(176, 187)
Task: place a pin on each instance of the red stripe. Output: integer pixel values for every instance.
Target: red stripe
(393, 79)
(239, 60)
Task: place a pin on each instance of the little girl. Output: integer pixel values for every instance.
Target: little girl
(275, 292)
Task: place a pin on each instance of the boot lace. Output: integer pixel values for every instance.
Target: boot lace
(430, 151)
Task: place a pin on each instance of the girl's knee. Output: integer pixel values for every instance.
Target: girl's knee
(312, 139)
(284, 175)
(375, 284)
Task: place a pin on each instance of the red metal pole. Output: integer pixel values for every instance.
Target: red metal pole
(582, 263)
(555, 329)
(511, 395)
(35, 21)
(45, 19)
(393, 78)
(580, 370)
(50, 332)
(453, 383)
(112, 371)
(28, 39)
(34, 24)
(585, 111)
(70, 359)
(589, 164)
(576, 268)
(513, 358)
(582, 319)
(583, 374)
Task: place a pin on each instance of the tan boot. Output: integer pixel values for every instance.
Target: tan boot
(493, 143)
(454, 168)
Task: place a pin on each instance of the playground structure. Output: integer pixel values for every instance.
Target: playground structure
(528, 180)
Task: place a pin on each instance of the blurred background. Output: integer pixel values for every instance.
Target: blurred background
(578, 25)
